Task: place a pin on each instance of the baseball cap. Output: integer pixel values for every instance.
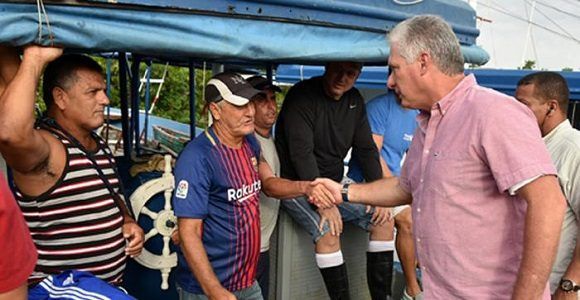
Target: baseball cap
(261, 83)
(230, 87)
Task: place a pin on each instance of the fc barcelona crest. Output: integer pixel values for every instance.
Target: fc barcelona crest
(255, 163)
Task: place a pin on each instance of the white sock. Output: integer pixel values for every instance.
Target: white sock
(381, 246)
(327, 260)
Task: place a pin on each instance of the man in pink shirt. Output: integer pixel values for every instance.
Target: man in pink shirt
(487, 208)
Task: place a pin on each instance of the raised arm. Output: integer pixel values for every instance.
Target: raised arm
(544, 217)
(8, 67)
(23, 147)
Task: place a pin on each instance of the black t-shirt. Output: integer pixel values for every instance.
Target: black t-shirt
(314, 133)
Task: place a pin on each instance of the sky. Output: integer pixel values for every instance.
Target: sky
(504, 38)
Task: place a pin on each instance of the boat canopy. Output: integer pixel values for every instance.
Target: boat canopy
(272, 31)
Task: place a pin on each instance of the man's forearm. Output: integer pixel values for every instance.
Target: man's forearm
(9, 66)
(540, 244)
(17, 102)
(544, 216)
(573, 271)
(281, 188)
(198, 262)
(384, 192)
(121, 204)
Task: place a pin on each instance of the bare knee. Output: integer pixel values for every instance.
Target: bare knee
(328, 243)
(382, 232)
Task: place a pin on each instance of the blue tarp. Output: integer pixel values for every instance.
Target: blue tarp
(370, 15)
(504, 81)
(281, 32)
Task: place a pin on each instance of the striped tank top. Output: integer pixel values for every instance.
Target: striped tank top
(76, 224)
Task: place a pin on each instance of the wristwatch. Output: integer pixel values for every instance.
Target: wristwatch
(344, 192)
(568, 286)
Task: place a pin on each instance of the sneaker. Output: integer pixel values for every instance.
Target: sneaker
(407, 297)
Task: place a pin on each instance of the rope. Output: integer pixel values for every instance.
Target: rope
(41, 10)
(203, 82)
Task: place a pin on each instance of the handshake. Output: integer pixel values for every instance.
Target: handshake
(324, 193)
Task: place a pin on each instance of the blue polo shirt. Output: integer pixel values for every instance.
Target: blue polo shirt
(396, 125)
(221, 186)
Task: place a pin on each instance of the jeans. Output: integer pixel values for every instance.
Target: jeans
(263, 273)
(304, 214)
(251, 293)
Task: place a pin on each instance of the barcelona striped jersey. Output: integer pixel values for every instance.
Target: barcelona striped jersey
(220, 185)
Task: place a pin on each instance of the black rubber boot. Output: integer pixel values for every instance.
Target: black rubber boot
(380, 274)
(336, 281)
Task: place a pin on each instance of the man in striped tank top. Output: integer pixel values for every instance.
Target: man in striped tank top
(66, 181)
(219, 176)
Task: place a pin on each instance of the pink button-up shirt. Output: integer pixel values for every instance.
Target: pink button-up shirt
(467, 152)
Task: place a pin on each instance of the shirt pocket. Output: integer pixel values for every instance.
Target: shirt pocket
(447, 172)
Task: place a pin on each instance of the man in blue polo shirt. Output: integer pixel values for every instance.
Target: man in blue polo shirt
(219, 176)
(392, 128)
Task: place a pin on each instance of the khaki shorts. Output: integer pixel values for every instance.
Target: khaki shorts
(398, 209)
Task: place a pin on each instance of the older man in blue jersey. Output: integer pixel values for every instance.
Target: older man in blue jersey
(219, 176)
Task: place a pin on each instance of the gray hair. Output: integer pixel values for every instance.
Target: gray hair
(431, 34)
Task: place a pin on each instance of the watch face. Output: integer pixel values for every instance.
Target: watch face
(567, 285)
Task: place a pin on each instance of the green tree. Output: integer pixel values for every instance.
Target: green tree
(173, 102)
(528, 65)
(473, 66)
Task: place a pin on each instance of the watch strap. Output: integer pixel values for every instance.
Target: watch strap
(568, 285)
(344, 192)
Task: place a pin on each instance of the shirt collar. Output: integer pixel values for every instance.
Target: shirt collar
(445, 103)
(565, 125)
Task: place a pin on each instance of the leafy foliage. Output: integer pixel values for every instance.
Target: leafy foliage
(173, 101)
(528, 65)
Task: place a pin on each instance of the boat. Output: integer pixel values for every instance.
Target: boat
(170, 140)
(257, 33)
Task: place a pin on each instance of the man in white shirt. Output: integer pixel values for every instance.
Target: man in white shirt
(264, 119)
(546, 94)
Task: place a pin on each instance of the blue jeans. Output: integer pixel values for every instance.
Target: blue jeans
(251, 293)
(306, 215)
(263, 273)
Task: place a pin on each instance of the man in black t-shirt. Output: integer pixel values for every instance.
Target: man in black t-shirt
(320, 120)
